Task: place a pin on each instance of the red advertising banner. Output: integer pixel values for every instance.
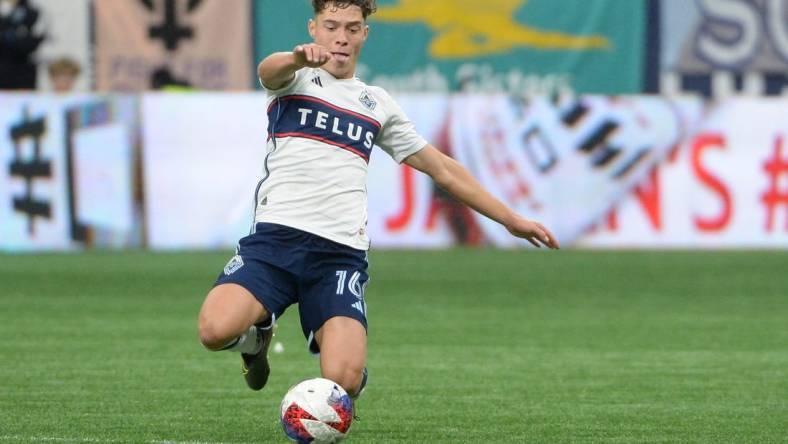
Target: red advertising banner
(726, 186)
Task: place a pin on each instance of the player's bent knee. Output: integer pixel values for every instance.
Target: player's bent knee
(349, 377)
(228, 311)
(212, 336)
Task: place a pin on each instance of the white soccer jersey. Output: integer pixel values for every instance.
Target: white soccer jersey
(321, 131)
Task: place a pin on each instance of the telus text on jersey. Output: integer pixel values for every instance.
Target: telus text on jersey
(321, 120)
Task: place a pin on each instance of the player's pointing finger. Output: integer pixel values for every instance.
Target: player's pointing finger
(549, 237)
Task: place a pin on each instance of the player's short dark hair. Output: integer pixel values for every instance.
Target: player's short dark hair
(367, 6)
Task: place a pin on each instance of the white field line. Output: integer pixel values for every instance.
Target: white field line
(190, 442)
(19, 438)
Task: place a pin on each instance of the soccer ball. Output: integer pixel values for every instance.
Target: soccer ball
(316, 411)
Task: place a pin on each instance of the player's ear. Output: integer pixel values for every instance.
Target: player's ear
(366, 32)
(310, 26)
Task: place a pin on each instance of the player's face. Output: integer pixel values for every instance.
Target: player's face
(343, 31)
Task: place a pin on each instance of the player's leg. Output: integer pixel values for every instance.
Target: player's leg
(343, 353)
(239, 312)
(333, 311)
(226, 316)
(231, 318)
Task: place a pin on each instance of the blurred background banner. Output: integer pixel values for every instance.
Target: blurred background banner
(719, 47)
(567, 161)
(204, 174)
(67, 176)
(406, 209)
(726, 187)
(153, 44)
(602, 171)
(563, 161)
(485, 82)
(203, 157)
(445, 45)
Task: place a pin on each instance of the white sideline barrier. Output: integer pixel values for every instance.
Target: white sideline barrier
(725, 185)
(66, 172)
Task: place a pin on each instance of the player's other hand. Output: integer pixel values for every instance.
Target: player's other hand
(311, 55)
(533, 232)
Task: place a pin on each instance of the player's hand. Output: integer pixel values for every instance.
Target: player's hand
(311, 55)
(533, 232)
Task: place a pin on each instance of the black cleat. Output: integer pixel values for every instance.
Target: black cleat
(255, 367)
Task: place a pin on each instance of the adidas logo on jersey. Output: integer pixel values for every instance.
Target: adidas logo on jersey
(359, 306)
(316, 80)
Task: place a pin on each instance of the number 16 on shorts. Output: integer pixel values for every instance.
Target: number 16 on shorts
(355, 287)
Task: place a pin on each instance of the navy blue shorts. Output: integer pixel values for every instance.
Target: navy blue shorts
(282, 266)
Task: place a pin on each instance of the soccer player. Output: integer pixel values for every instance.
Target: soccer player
(308, 243)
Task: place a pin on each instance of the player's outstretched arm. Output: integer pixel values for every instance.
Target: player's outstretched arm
(457, 181)
(278, 69)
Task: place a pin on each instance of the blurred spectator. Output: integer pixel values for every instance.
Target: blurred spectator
(163, 80)
(63, 73)
(19, 39)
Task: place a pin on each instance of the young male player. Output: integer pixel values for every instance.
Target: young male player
(308, 242)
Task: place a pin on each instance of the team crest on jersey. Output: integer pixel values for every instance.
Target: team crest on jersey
(367, 100)
(235, 263)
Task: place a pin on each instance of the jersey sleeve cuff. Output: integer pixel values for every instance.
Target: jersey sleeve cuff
(400, 156)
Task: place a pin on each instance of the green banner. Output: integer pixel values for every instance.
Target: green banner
(529, 46)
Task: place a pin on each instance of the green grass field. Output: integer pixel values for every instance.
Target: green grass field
(465, 346)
